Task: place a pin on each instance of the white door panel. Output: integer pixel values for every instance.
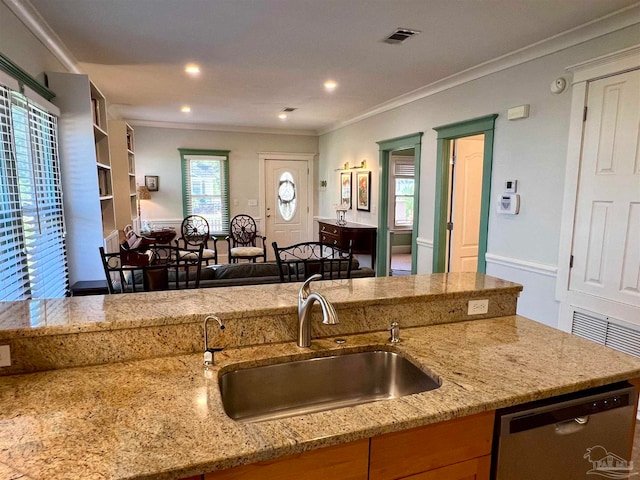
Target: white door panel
(287, 214)
(467, 198)
(606, 244)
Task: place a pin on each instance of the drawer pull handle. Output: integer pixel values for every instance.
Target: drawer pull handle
(335, 231)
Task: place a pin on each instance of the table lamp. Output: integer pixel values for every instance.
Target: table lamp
(143, 194)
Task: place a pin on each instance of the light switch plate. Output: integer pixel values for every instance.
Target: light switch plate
(477, 307)
(5, 356)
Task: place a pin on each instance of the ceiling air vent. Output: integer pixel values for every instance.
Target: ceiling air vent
(288, 109)
(401, 35)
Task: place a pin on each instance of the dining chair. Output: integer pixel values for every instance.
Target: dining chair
(195, 232)
(298, 262)
(244, 241)
(158, 268)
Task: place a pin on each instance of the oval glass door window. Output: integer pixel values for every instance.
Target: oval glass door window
(287, 196)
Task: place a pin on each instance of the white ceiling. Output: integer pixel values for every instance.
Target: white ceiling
(259, 56)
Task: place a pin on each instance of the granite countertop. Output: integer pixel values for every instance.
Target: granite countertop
(111, 312)
(163, 418)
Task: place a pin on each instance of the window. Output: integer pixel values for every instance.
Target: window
(32, 248)
(287, 196)
(403, 189)
(205, 187)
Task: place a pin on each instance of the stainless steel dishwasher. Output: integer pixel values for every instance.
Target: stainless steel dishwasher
(573, 437)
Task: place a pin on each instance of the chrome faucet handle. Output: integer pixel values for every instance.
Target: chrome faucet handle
(395, 332)
(305, 289)
(208, 352)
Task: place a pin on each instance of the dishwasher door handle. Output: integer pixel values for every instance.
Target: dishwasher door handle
(574, 425)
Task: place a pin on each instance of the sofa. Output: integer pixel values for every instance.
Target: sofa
(235, 274)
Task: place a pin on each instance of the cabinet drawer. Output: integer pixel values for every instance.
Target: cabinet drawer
(398, 455)
(329, 239)
(476, 469)
(342, 462)
(329, 229)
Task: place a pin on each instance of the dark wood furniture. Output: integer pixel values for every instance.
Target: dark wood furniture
(133, 241)
(362, 237)
(298, 262)
(89, 287)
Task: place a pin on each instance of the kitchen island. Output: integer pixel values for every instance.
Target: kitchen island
(161, 417)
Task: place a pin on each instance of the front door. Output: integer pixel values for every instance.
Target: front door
(465, 198)
(287, 210)
(606, 240)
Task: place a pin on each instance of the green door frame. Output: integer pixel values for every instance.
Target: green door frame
(481, 125)
(386, 147)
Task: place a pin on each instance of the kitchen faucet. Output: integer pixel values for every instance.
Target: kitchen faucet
(208, 351)
(306, 300)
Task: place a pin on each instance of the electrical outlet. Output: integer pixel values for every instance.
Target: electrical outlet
(5, 356)
(476, 307)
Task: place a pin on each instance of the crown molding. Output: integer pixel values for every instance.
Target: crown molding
(615, 21)
(218, 128)
(596, 28)
(43, 32)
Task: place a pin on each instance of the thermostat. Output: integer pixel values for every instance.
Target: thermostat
(509, 203)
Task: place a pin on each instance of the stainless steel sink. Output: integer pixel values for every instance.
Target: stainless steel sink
(317, 384)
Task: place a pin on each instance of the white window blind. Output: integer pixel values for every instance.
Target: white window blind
(206, 190)
(32, 247)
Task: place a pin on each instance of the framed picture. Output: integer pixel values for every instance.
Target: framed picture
(345, 189)
(363, 183)
(151, 182)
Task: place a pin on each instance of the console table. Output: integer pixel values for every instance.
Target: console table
(363, 237)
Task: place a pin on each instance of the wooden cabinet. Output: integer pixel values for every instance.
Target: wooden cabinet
(430, 448)
(459, 449)
(475, 469)
(123, 168)
(86, 173)
(342, 462)
(362, 237)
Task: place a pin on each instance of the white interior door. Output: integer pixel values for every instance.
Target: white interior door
(287, 209)
(606, 241)
(466, 198)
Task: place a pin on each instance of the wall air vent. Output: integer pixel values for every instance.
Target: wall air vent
(400, 36)
(606, 331)
(288, 109)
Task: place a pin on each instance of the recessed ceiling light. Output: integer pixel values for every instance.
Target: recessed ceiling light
(185, 109)
(282, 116)
(330, 85)
(192, 69)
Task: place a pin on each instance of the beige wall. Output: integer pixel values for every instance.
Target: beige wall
(157, 154)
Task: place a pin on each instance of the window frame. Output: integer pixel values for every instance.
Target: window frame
(188, 154)
(394, 177)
